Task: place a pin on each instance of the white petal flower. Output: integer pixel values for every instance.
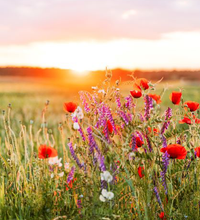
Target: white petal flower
(106, 176)
(110, 195)
(102, 198)
(61, 174)
(76, 126)
(104, 192)
(66, 166)
(55, 161)
(52, 175)
(102, 177)
(102, 91)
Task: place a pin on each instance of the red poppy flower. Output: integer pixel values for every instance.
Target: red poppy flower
(155, 97)
(70, 184)
(70, 106)
(162, 216)
(185, 120)
(142, 83)
(46, 152)
(176, 151)
(193, 106)
(197, 121)
(110, 128)
(139, 142)
(197, 151)
(141, 172)
(136, 93)
(155, 131)
(175, 97)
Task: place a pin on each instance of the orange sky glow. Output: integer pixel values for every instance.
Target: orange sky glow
(76, 35)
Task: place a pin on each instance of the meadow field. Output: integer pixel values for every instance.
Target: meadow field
(105, 161)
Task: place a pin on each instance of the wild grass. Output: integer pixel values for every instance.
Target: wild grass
(31, 188)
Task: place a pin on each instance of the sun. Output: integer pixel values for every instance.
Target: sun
(80, 72)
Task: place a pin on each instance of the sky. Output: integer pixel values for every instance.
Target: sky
(95, 34)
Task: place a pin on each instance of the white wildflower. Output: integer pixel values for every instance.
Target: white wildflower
(55, 161)
(78, 113)
(106, 195)
(61, 174)
(66, 166)
(102, 91)
(76, 126)
(102, 198)
(106, 176)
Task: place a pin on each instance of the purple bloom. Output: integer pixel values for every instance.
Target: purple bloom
(129, 102)
(81, 133)
(164, 141)
(133, 142)
(158, 196)
(148, 143)
(79, 203)
(168, 115)
(71, 174)
(165, 160)
(148, 101)
(84, 101)
(123, 116)
(92, 143)
(74, 155)
(141, 117)
(101, 163)
(118, 101)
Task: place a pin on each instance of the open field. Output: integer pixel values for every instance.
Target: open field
(103, 172)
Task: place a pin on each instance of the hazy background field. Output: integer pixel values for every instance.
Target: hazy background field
(27, 95)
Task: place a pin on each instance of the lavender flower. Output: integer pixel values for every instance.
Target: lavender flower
(148, 101)
(158, 197)
(101, 163)
(84, 101)
(71, 174)
(117, 98)
(141, 117)
(123, 116)
(133, 142)
(164, 141)
(81, 133)
(92, 143)
(74, 155)
(165, 160)
(79, 203)
(102, 116)
(129, 102)
(148, 143)
(168, 115)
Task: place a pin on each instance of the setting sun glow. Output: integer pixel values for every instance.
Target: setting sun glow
(171, 51)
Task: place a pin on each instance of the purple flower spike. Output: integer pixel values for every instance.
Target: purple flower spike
(148, 101)
(165, 160)
(129, 103)
(71, 174)
(158, 196)
(124, 117)
(74, 155)
(117, 99)
(92, 143)
(148, 143)
(168, 115)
